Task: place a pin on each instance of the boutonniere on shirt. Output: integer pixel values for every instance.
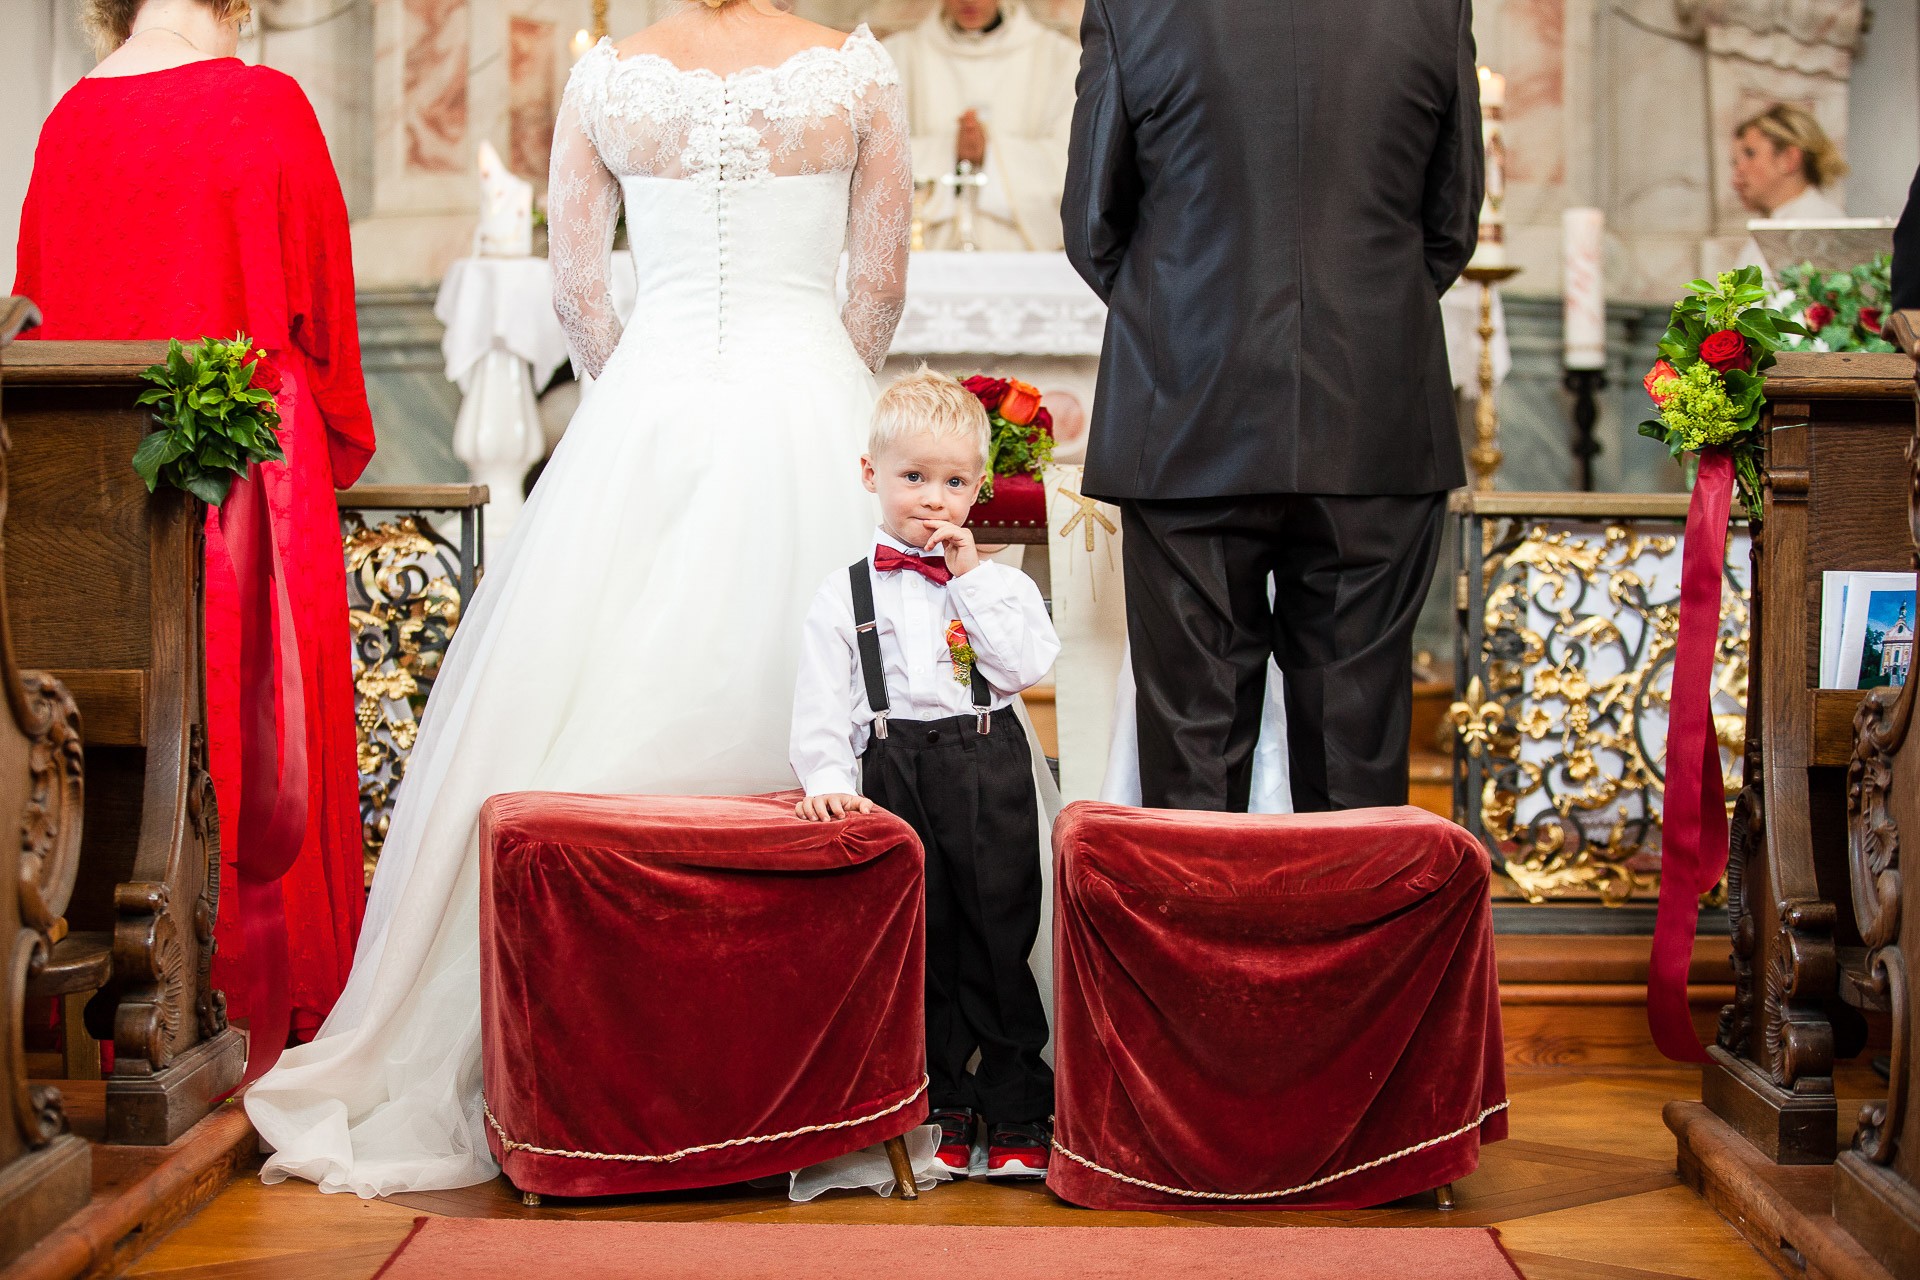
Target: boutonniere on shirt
(961, 652)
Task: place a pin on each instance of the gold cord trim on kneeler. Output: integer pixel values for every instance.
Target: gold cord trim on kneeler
(508, 1146)
(1468, 1127)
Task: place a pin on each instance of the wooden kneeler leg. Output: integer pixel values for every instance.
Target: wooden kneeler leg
(902, 1169)
(1443, 1196)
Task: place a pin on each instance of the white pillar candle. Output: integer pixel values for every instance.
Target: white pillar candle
(1583, 249)
(1493, 88)
(1492, 248)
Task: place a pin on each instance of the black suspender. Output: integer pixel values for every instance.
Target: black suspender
(867, 638)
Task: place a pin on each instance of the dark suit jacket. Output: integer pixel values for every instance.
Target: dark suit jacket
(1271, 195)
(1906, 252)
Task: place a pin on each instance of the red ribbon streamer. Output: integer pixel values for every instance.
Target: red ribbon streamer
(273, 751)
(1693, 853)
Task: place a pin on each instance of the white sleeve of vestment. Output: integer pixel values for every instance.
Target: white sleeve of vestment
(1014, 643)
(823, 746)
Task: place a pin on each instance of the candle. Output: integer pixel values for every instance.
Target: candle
(1583, 249)
(1491, 251)
(581, 42)
(1493, 88)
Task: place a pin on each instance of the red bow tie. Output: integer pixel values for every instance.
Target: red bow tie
(887, 560)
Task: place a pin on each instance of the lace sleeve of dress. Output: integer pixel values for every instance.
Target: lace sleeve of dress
(583, 205)
(879, 218)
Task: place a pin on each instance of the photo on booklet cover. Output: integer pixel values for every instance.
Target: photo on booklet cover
(1866, 629)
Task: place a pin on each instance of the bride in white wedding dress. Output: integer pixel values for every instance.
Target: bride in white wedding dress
(637, 634)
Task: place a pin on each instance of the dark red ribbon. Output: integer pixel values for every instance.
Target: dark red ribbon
(1693, 848)
(273, 751)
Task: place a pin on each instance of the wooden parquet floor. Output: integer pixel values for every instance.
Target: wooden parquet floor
(1585, 1189)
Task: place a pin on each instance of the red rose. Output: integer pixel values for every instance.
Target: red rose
(1021, 404)
(1725, 350)
(1043, 423)
(989, 391)
(1870, 319)
(1657, 377)
(266, 374)
(1818, 316)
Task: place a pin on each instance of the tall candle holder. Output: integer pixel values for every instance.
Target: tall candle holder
(1485, 454)
(1586, 385)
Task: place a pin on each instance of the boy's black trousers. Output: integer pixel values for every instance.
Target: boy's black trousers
(970, 798)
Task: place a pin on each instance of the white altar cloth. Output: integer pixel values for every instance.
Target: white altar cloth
(1005, 304)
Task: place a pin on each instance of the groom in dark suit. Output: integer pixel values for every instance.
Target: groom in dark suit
(1271, 196)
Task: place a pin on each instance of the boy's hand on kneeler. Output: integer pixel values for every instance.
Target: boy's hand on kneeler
(831, 807)
(957, 543)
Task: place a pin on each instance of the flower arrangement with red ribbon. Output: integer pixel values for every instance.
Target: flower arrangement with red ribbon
(1709, 381)
(1021, 428)
(1709, 387)
(216, 406)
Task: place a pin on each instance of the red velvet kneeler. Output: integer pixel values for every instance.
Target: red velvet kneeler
(1259, 1012)
(684, 992)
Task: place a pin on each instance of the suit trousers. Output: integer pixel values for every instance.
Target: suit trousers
(970, 798)
(1348, 578)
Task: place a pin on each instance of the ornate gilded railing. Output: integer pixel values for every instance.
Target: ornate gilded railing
(1567, 606)
(407, 585)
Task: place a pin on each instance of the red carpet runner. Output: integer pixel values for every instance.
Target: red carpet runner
(441, 1247)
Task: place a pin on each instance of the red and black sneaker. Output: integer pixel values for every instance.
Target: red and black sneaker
(1019, 1150)
(956, 1137)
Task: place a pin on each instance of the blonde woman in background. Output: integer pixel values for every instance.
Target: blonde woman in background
(1782, 161)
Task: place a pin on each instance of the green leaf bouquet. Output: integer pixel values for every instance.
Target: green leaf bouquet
(1841, 310)
(216, 408)
(1710, 381)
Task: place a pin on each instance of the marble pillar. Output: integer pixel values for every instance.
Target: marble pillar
(328, 48)
(532, 101)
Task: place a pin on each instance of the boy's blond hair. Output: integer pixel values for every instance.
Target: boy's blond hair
(931, 402)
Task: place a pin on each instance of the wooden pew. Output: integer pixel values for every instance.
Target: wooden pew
(105, 586)
(1876, 1184)
(1837, 429)
(46, 1173)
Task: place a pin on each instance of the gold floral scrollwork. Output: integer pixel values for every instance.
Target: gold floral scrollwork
(1565, 715)
(403, 587)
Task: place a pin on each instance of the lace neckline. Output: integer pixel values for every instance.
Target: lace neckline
(800, 57)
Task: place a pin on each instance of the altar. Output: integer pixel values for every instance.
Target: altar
(1019, 315)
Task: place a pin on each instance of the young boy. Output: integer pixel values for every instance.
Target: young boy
(908, 665)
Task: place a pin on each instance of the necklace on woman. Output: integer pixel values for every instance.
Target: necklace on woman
(170, 31)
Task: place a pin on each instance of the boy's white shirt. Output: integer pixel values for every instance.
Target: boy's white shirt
(1013, 642)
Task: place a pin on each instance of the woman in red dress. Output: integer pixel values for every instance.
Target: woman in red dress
(179, 193)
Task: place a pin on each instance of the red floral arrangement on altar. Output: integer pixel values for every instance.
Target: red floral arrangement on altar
(1020, 429)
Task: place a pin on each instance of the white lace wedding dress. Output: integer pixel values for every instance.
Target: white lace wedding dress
(638, 633)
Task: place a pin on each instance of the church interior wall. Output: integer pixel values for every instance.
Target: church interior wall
(1614, 103)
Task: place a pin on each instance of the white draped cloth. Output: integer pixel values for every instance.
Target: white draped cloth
(508, 302)
(1018, 78)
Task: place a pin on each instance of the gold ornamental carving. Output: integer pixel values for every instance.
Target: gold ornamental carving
(1561, 730)
(404, 591)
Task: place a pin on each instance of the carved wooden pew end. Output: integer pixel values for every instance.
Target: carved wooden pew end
(105, 589)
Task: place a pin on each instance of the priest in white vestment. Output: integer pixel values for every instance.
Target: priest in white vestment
(988, 84)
